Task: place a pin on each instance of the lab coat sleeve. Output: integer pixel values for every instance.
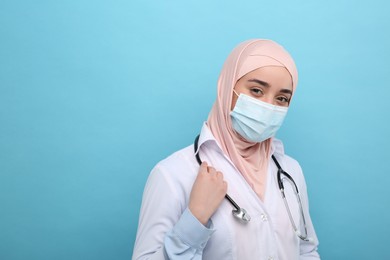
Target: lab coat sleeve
(187, 239)
(167, 229)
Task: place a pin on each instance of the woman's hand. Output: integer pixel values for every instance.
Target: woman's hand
(207, 193)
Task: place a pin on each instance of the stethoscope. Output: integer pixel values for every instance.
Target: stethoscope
(242, 215)
(238, 212)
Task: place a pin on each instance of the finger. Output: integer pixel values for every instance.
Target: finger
(219, 175)
(211, 170)
(203, 167)
(225, 184)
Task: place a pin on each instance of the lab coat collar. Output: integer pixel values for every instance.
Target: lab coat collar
(206, 136)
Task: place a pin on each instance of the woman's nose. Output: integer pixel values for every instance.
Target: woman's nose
(268, 99)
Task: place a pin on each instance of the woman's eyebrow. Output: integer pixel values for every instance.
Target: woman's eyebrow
(260, 82)
(286, 91)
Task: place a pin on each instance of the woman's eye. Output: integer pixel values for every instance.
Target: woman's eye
(257, 91)
(283, 100)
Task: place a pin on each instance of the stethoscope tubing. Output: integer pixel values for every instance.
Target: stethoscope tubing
(241, 213)
(234, 204)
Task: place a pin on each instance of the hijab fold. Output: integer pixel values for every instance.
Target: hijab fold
(251, 159)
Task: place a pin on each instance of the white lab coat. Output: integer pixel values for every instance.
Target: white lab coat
(167, 229)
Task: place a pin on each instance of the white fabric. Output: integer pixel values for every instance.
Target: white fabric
(165, 222)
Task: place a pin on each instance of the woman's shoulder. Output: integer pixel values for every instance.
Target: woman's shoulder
(182, 157)
(179, 166)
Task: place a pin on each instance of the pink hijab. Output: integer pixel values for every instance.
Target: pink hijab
(251, 159)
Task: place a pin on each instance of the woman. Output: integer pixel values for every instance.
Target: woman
(184, 214)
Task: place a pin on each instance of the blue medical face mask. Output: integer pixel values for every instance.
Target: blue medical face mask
(256, 120)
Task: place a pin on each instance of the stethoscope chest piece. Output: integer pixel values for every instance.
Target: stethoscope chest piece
(241, 215)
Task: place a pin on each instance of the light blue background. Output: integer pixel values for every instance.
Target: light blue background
(94, 93)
